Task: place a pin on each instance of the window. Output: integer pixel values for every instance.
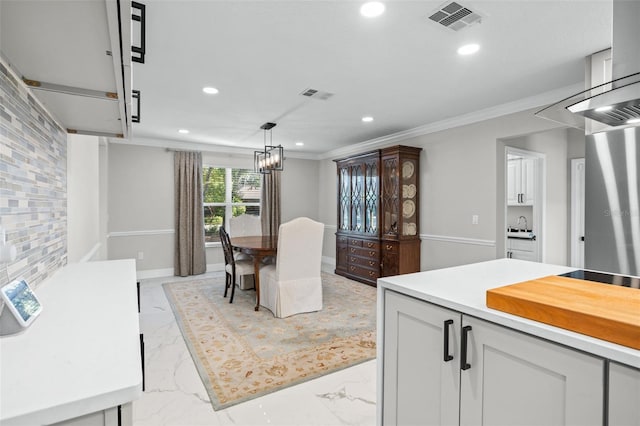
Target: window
(228, 193)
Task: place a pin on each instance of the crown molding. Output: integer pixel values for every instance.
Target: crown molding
(458, 121)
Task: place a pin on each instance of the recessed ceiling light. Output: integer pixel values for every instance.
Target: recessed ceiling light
(367, 119)
(183, 131)
(372, 9)
(210, 90)
(633, 121)
(299, 143)
(468, 49)
(604, 108)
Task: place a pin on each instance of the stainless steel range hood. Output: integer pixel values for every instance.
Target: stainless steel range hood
(615, 103)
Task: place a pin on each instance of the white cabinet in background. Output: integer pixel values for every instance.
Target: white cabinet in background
(441, 367)
(520, 182)
(523, 249)
(624, 395)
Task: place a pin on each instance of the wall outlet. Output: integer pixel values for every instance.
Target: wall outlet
(140, 255)
(474, 219)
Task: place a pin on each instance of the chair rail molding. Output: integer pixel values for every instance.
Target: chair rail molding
(458, 240)
(140, 233)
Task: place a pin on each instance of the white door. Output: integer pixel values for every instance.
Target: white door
(516, 379)
(421, 374)
(577, 213)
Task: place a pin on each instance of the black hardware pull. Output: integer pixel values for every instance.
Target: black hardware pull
(447, 324)
(135, 94)
(142, 18)
(464, 365)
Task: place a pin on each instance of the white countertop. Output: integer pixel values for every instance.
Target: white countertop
(463, 288)
(82, 354)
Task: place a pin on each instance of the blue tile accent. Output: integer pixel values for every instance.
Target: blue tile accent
(33, 181)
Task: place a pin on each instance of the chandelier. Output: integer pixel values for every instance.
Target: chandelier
(271, 157)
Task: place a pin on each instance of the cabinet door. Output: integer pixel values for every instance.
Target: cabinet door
(513, 182)
(527, 185)
(517, 379)
(420, 387)
(624, 395)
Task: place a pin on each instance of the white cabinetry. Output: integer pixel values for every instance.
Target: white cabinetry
(624, 395)
(443, 367)
(420, 386)
(523, 249)
(520, 182)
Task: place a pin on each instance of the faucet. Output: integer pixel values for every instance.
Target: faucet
(525, 223)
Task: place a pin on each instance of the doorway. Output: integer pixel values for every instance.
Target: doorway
(524, 206)
(577, 213)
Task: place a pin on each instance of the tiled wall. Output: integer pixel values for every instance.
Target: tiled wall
(33, 183)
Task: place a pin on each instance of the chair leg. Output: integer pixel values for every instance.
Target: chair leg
(233, 286)
(226, 284)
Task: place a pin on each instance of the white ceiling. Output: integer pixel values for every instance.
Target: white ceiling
(401, 68)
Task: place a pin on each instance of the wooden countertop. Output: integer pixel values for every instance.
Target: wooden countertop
(607, 312)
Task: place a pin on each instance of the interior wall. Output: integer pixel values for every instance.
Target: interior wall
(83, 168)
(460, 172)
(141, 204)
(33, 172)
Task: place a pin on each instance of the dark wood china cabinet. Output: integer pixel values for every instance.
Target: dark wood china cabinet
(378, 211)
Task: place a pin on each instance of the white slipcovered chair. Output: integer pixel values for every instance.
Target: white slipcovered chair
(245, 225)
(293, 284)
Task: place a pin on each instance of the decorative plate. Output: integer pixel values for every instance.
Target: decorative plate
(411, 191)
(408, 208)
(410, 228)
(407, 169)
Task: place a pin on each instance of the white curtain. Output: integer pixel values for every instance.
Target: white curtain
(190, 256)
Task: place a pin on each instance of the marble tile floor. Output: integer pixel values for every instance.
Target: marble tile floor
(175, 394)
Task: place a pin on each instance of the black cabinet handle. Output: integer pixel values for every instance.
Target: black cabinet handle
(135, 118)
(138, 52)
(447, 324)
(464, 365)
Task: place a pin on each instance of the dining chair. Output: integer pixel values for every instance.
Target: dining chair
(233, 267)
(242, 226)
(293, 284)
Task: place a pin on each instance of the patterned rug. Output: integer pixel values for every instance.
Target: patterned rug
(242, 354)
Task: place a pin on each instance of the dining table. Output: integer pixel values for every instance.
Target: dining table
(258, 247)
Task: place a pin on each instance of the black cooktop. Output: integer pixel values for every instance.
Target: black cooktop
(605, 278)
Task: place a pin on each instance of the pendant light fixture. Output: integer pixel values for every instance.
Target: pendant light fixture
(271, 157)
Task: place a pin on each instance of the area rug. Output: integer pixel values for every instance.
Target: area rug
(242, 354)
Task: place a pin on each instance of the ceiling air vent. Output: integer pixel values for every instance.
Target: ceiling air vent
(455, 16)
(316, 94)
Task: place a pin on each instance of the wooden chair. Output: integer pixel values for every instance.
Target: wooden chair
(232, 266)
(293, 284)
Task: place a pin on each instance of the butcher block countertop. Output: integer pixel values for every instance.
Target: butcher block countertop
(464, 289)
(607, 312)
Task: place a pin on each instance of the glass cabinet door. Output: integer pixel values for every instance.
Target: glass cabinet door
(357, 198)
(344, 198)
(409, 197)
(390, 196)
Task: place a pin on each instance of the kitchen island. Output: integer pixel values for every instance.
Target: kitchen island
(444, 357)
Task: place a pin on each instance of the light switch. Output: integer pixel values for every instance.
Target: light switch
(474, 219)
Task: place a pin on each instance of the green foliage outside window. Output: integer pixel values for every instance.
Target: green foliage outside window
(245, 189)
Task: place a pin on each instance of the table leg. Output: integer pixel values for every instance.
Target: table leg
(257, 259)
